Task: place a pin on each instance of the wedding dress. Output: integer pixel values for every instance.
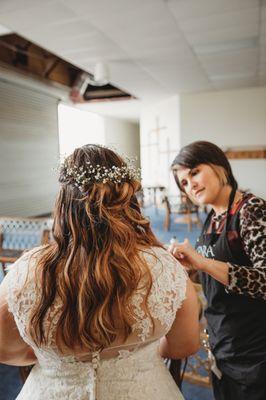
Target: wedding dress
(132, 370)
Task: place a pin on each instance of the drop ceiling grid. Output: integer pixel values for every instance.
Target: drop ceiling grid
(63, 45)
(248, 16)
(34, 14)
(239, 59)
(235, 33)
(145, 47)
(222, 27)
(186, 9)
(142, 42)
(121, 31)
(142, 45)
(58, 47)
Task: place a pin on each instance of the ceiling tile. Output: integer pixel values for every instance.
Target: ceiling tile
(154, 48)
(245, 81)
(227, 64)
(223, 35)
(184, 9)
(249, 16)
(38, 14)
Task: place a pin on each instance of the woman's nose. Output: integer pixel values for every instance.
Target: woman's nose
(194, 184)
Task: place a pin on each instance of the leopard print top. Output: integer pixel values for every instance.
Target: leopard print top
(245, 280)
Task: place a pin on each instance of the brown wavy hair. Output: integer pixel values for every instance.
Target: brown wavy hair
(94, 263)
(203, 152)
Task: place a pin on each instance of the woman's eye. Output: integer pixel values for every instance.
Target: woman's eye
(194, 172)
(184, 183)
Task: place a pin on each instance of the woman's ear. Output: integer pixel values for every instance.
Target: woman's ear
(221, 174)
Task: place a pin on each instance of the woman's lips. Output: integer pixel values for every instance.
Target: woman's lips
(198, 192)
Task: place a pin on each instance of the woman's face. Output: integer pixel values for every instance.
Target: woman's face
(201, 183)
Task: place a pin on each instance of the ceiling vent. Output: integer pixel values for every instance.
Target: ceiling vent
(20, 54)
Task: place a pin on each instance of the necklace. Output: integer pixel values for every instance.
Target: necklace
(218, 217)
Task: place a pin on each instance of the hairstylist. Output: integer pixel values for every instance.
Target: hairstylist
(230, 258)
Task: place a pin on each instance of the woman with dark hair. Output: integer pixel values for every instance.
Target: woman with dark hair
(90, 308)
(230, 258)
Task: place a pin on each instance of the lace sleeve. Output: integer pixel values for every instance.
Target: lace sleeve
(21, 291)
(245, 280)
(169, 289)
(167, 293)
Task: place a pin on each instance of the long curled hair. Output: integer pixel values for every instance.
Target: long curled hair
(94, 264)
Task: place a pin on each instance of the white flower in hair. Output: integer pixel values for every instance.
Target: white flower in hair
(82, 176)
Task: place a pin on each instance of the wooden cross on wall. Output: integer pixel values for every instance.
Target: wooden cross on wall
(157, 131)
(155, 143)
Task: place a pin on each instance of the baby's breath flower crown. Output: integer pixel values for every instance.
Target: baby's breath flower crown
(82, 176)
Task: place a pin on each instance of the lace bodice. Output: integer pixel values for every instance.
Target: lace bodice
(69, 377)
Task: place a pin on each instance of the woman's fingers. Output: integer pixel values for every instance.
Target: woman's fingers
(180, 256)
(186, 254)
(181, 248)
(177, 254)
(182, 251)
(171, 248)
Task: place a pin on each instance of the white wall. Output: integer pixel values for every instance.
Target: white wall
(235, 118)
(160, 141)
(123, 136)
(78, 127)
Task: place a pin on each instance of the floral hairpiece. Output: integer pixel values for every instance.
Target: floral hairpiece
(88, 174)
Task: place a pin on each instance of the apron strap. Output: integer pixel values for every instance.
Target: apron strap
(231, 200)
(206, 223)
(209, 216)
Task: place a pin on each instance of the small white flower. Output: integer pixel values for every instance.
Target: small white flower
(83, 175)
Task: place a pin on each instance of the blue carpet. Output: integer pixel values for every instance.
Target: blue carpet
(10, 383)
(194, 392)
(180, 231)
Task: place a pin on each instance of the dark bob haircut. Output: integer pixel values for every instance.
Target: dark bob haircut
(202, 152)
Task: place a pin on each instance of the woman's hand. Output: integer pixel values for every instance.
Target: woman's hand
(187, 255)
(192, 260)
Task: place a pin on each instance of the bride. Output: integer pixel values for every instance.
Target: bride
(98, 308)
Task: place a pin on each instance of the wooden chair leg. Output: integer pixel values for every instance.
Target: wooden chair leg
(167, 220)
(189, 218)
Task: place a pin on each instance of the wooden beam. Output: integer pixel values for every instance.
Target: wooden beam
(245, 154)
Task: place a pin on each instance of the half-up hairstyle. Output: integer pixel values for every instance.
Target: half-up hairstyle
(94, 264)
(202, 152)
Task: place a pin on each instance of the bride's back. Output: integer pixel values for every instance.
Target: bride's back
(148, 322)
(96, 262)
(93, 303)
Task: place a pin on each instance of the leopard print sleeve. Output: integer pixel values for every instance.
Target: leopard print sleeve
(244, 280)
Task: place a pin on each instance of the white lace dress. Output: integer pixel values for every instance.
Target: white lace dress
(131, 371)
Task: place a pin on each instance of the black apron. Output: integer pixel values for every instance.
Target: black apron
(236, 323)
